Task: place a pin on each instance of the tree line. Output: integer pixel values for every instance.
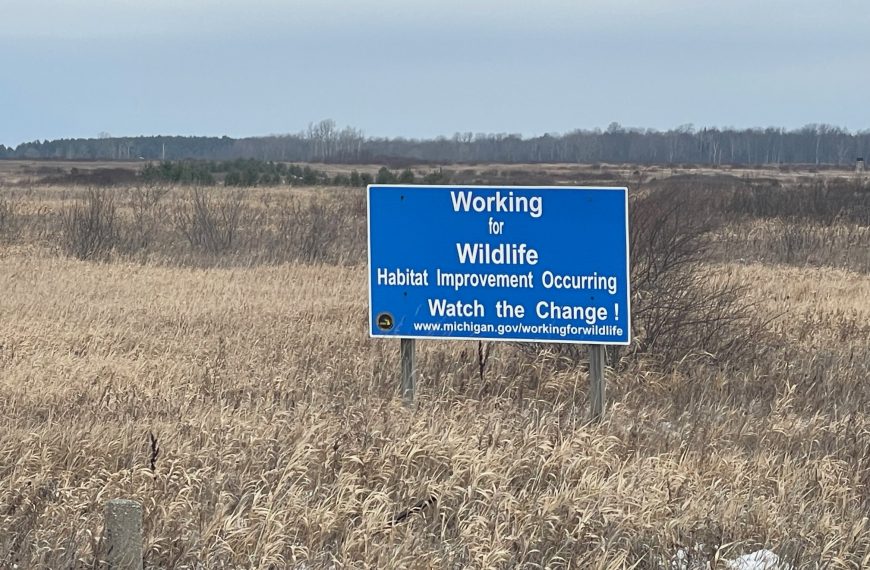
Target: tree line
(248, 172)
(325, 142)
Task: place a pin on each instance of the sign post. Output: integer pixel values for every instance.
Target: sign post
(409, 365)
(514, 263)
(596, 381)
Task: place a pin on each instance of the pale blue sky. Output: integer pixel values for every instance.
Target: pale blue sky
(74, 68)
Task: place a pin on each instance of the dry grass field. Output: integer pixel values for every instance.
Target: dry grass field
(229, 385)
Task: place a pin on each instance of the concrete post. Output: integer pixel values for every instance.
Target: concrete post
(409, 366)
(596, 381)
(124, 535)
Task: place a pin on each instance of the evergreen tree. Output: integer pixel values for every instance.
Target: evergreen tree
(385, 176)
(406, 177)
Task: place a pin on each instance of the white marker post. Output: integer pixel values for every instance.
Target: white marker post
(123, 535)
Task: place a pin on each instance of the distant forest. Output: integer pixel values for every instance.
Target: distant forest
(325, 142)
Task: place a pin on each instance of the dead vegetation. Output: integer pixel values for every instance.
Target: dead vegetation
(234, 392)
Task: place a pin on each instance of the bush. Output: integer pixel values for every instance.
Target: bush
(677, 309)
(250, 177)
(233, 178)
(321, 231)
(181, 172)
(207, 224)
(407, 177)
(826, 203)
(91, 177)
(310, 176)
(437, 177)
(385, 176)
(89, 228)
(305, 231)
(147, 215)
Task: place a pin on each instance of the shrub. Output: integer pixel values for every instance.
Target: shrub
(407, 177)
(677, 309)
(305, 231)
(233, 178)
(437, 177)
(385, 176)
(89, 227)
(207, 224)
(310, 176)
(147, 214)
(91, 177)
(181, 172)
(331, 231)
(826, 203)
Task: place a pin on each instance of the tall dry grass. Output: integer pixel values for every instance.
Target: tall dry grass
(245, 407)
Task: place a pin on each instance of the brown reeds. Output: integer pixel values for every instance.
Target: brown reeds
(236, 395)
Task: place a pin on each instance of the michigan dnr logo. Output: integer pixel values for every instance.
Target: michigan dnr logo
(385, 321)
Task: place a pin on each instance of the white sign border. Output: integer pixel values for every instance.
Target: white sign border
(493, 187)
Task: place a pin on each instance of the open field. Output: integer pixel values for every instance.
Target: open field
(222, 376)
(30, 172)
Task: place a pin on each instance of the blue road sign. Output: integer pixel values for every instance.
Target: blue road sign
(518, 263)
